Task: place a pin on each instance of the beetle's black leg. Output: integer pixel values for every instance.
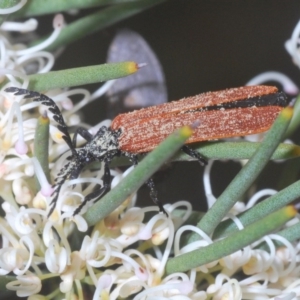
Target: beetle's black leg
(195, 154)
(82, 132)
(97, 193)
(150, 183)
(153, 195)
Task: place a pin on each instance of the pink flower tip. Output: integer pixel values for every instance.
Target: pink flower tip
(58, 21)
(21, 147)
(185, 287)
(291, 89)
(141, 273)
(145, 234)
(105, 281)
(47, 190)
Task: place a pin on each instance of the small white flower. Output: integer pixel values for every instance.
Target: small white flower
(75, 270)
(131, 222)
(225, 288)
(259, 262)
(25, 285)
(236, 260)
(127, 288)
(56, 257)
(103, 284)
(22, 191)
(40, 201)
(292, 45)
(96, 250)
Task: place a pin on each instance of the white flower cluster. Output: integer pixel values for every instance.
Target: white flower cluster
(123, 255)
(271, 274)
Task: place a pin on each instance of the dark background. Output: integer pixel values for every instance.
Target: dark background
(202, 46)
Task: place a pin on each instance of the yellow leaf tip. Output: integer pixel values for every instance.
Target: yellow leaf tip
(288, 112)
(43, 119)
(132, 67)
(296, 151)
(186, 131)
(291, 210)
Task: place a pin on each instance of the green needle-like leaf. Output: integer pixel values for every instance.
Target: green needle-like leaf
(41, 145)
(295, 122)
(234, 242)
(269, 205)
(226, 150)
(238, 150)
(291, 233)
(36, 8)
(99, 20)
(80, 76)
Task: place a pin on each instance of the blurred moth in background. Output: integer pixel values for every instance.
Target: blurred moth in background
(145, 88)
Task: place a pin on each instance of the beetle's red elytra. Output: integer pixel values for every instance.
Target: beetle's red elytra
(142, 130)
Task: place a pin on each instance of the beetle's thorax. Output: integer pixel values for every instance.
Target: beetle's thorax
(103, 146)
(104, 143)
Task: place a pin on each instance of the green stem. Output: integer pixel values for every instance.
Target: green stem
(269, 205)
(227, 150)
(34, 7)
(41, 145)
(99, 20)
(231, 244)
(295, 122)
(238, 150)
(291, 234)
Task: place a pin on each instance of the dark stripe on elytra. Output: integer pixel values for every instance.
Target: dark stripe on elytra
(276, 99)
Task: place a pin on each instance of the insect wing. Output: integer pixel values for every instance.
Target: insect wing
(193, 103)
(144, 135)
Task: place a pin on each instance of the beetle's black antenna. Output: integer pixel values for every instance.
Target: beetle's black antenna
(57, 116)
(70, 167)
